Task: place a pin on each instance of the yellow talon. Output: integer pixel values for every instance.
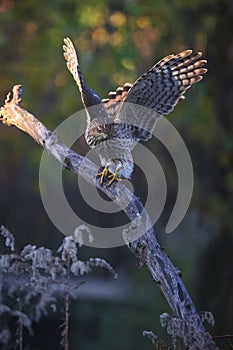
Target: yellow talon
(113, 177)
(102, 174)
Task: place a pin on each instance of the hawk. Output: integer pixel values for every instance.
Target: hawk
(129, 115)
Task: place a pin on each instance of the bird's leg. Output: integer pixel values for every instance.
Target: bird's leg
(113, 177)
(102, 174)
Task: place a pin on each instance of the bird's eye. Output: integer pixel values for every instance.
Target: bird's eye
(99, 129)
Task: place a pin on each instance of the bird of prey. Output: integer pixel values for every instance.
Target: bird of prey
(129, 115)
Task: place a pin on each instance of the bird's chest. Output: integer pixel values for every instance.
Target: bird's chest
(109, 138)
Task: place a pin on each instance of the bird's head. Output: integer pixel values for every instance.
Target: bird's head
(96, 133)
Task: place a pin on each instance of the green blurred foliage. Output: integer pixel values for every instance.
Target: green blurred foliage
(117, 41)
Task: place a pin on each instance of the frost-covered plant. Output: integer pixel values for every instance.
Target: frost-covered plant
(33, 281)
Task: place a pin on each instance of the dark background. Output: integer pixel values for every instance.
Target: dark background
(117, 41)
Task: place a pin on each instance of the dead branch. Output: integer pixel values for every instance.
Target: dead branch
(185, 321)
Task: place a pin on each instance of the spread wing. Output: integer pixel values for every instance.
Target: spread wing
(137, 107)
(72, 63)
(158, 91)
(166, 82)
(115, 99)
(89, 97)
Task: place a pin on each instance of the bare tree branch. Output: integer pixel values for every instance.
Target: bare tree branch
(185, 321)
